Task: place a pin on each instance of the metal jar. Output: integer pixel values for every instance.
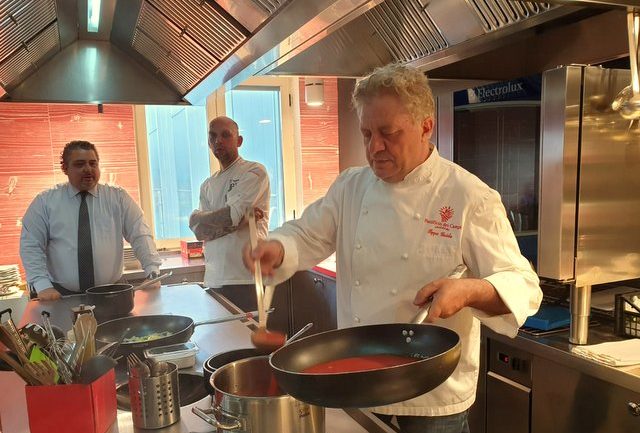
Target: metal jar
(155, 400)
(247, 399)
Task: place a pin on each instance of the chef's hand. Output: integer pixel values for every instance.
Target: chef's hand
(451, 295)
(49, 294)
(270, 254)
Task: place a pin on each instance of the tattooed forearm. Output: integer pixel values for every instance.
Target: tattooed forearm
(209, 225)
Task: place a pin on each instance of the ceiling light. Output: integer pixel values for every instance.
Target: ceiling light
(314, 91)
(264, 121)
(93, 15)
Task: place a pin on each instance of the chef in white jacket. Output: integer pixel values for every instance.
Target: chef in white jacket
(398, 228)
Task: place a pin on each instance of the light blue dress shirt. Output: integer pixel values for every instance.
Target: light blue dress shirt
(48, 242)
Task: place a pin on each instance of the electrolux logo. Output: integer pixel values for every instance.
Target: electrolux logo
(499, 92)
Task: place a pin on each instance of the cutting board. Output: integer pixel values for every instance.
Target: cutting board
(549, 317)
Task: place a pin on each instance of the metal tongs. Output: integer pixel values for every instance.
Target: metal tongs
(422, 314)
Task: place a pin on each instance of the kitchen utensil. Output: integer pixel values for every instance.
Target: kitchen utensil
(115, 300)
(19, 369)
(95, 368)
(36, 334)
(9, 341)
(436, 350)
(88, 328)
(248, 399)
(257, 272)
(42, 372)
(627, 102)
(179, 328)
(12, 330)
(266, 342)
(155, 400)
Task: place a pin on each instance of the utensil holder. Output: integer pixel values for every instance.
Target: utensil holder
(155, 400)
(87, 408)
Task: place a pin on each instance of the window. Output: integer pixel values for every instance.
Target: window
(178, 164)
(257, 112)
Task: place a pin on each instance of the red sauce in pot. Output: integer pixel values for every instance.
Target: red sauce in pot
(359, 363)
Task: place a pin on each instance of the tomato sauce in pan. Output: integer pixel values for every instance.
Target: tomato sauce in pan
(359, 363)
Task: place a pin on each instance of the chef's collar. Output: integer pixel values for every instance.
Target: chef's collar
(73, 191)
(222, 170)
(424, 170)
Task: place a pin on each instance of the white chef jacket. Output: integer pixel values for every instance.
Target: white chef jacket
(49, 238)
(391, 239)
(242, 185)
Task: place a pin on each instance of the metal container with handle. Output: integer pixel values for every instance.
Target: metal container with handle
(436, 351)
(115, 300)
(248, 400)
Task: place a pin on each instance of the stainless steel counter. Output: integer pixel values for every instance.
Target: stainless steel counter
(189, 300)
(556, 347)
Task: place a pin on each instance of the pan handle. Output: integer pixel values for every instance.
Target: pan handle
(204, 414)
(249, 315)
(423, 312)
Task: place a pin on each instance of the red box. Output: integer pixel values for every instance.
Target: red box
(74, 408)
(191, 249)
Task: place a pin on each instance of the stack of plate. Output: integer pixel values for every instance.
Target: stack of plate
(9, 279)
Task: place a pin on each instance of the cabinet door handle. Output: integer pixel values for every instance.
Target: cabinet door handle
(634, 408)
(318, 281)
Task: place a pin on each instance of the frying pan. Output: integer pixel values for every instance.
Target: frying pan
(180, 329)
(436, 349)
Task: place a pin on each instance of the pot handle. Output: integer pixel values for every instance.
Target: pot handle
(424, 310)
(204, 415)
(153, 281)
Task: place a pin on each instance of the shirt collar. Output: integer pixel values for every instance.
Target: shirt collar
(222, 170)
(73, 191)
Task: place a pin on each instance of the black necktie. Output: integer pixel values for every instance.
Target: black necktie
(85, 250)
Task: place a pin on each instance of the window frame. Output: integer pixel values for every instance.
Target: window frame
(215, 106)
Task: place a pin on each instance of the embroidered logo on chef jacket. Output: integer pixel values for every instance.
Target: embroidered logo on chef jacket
(232, 184)
(442, 228)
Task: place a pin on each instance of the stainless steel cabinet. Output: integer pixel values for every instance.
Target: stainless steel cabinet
(508, 389)
(567, 401)
(313, 299)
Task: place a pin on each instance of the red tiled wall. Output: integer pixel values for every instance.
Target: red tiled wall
(319, 133)
(31, 139)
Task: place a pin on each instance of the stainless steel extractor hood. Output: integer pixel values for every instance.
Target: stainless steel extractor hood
(142, 51)
(180, 51)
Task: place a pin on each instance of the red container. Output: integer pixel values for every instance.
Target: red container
(73, 408)
(191, 249)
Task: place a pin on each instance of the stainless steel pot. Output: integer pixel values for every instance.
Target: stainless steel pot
(247, 399)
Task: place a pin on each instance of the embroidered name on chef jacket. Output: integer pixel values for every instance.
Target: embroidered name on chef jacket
(440, 226)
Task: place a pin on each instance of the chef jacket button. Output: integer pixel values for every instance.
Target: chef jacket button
(356, 319)
(416, 216)
(405, 256)
(358, 246)
(394, 291)
(365, 211)
(356, 282)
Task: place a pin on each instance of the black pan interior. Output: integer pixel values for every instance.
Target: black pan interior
(108, 288)
(417, 341)
(142, 326)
